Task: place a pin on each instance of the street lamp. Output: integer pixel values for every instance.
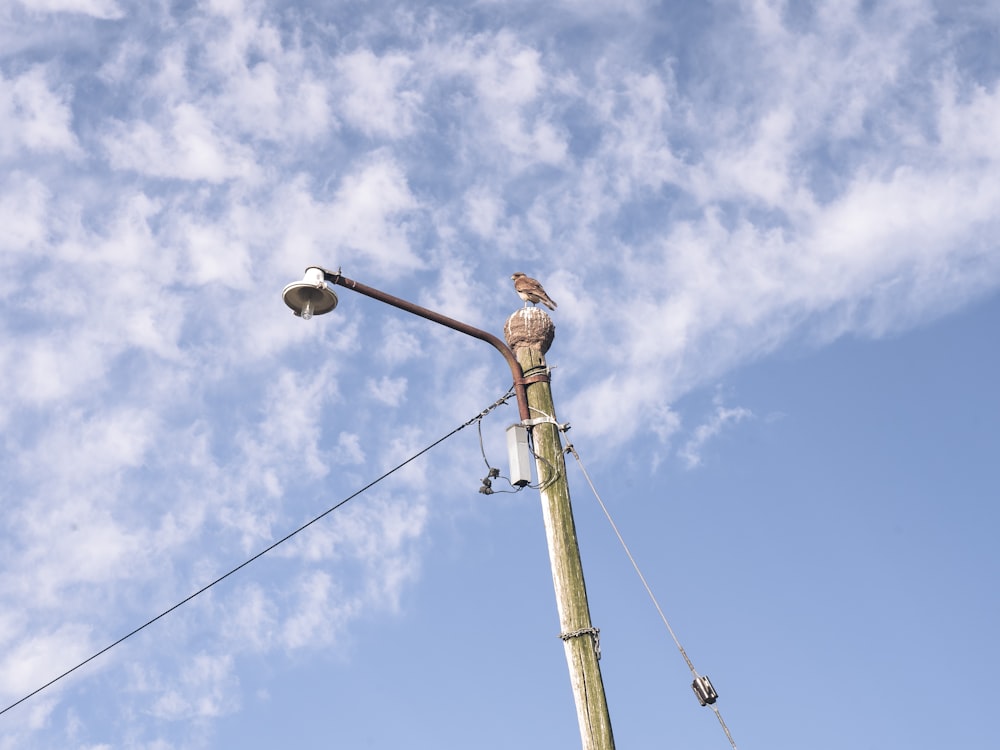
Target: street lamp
(529, 333)
(311, 296)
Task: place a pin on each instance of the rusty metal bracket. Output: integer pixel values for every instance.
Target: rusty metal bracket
(338, 279)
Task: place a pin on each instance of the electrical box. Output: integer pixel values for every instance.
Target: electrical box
(519, 455)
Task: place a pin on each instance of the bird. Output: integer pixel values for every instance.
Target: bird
(531, 291)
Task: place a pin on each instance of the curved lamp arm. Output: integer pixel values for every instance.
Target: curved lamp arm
(311, 296)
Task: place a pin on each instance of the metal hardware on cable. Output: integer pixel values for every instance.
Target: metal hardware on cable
(702, 687)
(502, 401)
(562, 426)
(594, 633)
(487, 488)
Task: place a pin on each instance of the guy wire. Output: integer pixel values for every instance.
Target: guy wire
(570, 448)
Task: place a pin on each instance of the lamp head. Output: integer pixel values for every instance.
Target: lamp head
(311, 296)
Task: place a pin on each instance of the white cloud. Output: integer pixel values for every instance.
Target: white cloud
(390, 391)
(819, 190)
(399, 342)
(832, 172)
(966, 122)
(99, 539)
(375, 96)
(207, 688)
(52, 369)
(213, 255)
(189, 146)
(33, 117)
(367, 221)
(483, 210)
(38, 656)
(721, 419)
(106, 9)
(373, 532)
(23, 213)
(291, 423)
(457, 293)
(349, 450)
(508, 79)
(318, 613)
(381, 535)
(506, 71)
(368, 213)
(666, 424)
(251, 621)
(263, 85)
(637, 110)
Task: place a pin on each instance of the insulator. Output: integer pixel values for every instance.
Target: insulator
(702, 687)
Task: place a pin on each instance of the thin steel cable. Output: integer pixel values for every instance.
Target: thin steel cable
(649, 591)
(722, 723)
(220, 579)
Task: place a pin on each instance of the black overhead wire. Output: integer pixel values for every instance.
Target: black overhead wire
(500, 401)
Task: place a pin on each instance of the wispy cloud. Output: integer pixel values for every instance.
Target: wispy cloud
(722, 418)
(34, 117)
(376, 98)
(694, 194)
(107, 9)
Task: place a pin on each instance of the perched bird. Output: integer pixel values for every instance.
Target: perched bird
(531, 291)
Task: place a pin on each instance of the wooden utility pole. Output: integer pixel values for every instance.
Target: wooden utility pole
(529, 333)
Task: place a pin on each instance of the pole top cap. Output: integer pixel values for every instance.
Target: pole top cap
(529, 327)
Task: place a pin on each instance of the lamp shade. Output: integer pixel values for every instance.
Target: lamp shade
(311, 296)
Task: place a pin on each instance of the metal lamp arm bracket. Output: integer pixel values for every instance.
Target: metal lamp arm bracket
(543, 378)
(329, 275)
(520, 390)
(563, 426)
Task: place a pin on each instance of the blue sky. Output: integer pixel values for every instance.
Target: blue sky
(771, 231)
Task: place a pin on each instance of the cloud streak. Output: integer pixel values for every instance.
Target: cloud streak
(695, 192)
